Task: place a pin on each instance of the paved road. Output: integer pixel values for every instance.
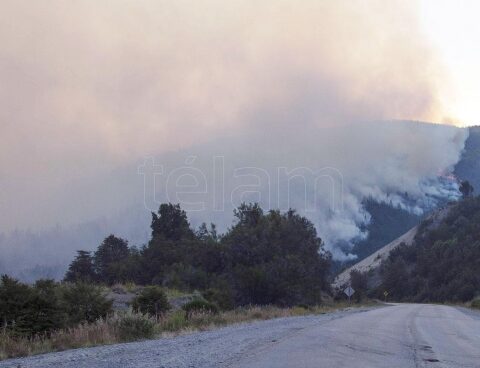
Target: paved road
(406, 335)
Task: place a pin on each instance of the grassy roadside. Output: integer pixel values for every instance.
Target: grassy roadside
(125, 327)
(475, 304)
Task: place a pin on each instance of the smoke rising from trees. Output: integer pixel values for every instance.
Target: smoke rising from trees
(90, 88)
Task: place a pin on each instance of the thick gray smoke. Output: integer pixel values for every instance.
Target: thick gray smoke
(88, 88)
(324, 173)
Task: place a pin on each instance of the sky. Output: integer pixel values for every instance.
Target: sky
(452, 28)
(88, 89)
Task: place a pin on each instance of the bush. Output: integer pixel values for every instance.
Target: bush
(175, 321)
(135, 327)
(475, 303)
(84, 303)
(221, 297)
(303, 306)
(152, 301)
(199, 305)
(29, 310)
(14, 297)
(43, 312)
(47, 306)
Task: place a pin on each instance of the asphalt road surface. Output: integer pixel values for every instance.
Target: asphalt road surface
(402, 335)
(405, 335)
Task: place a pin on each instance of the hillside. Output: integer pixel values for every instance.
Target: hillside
(372, 263)
(468, 168)
(393, 227)
(443, 264)
(30, 255)
(388, 223)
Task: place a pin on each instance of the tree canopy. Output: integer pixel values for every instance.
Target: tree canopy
(264, 258)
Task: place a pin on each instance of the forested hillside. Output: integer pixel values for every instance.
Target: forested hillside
(468, 168)
(444, 262)
(389, 222)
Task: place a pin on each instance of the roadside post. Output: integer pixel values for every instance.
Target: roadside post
(385, 294)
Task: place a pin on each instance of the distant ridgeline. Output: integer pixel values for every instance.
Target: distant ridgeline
(29, 256)
(443, 263)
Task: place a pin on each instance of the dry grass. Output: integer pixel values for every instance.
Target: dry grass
(102, 332)
(107, 331)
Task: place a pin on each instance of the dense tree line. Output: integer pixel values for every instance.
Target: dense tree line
(444, 262)
(264, 258)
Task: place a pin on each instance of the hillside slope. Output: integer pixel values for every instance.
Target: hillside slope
(468, 168)
(389, 223)
(371, 264)
(443, 264)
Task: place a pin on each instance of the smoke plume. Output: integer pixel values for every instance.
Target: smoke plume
(89, 88)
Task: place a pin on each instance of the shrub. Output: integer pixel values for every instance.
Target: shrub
(221, 297)
(27, 310)
(152, 301)
(84, 303)
(174, 322)
(43, 311)
(199, 305)
(475, 303)
(135, 327)
(14, 297)
(303, 306)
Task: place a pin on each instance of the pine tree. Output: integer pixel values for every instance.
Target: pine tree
(81, 268)
(109, 259)
(171, 223)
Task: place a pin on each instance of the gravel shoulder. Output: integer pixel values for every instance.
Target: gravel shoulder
(216, 348)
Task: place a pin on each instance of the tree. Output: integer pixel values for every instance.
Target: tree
(248, 214)
(358, 281)
(81, 269)
(109, 259)
(275, 258)
(171, 223)
(466, 188)
(395, 278)
(171, 249)
(205, 234)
